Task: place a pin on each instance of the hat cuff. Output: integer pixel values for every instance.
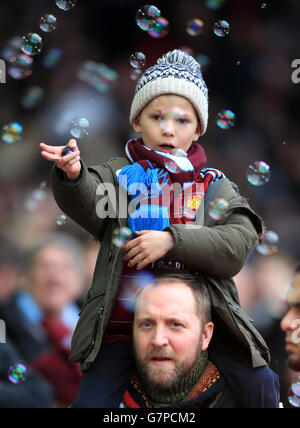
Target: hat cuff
(175, 86)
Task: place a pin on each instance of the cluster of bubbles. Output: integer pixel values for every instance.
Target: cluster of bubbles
(258, 173)
(121, 235)
(148, 18)
(12, 133)
(17, 373)
(294, 393)
(195, 27)
(79, 127)
(61, 220)
(225, 119)
(269, 243)
(218, 209)
(133, 287)
(98, 75)
(36, 197)
(31, 44)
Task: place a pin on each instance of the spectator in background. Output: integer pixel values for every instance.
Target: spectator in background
(290, 323)
(262, 287)
(19, 344)
(55, 279)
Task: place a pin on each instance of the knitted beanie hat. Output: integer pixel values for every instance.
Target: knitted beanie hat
(175, 73)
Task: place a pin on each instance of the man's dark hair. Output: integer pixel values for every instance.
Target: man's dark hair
(197, 285)
(297, 270)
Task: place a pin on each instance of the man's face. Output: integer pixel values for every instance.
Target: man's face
(168, 338)
(290, 324)
(167, 123)
(53, 279)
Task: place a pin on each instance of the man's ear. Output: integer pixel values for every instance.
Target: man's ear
(207, 335)
(136, 125)
(198, 132)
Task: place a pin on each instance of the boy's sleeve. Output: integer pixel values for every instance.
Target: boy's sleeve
(220, 250)
(77, 199)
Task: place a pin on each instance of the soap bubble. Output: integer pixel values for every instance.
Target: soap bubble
(135, 73)
(218, 209)
(20, 67)
(159, 28)
(269, 243)
(214, 4)
(32, 97)
(12, 133)
(179, 152)
(79, 127)
(221, 28)
(98, 75)
(48, 23)
(35, 198)
(65, 4)
(32, 44)
(194, 27)
(258, 173)
(146, 15)
(12, 48)
(17, 373)
(121, 235)
(263, 5)
(226, 119)
(61, 220)
(137, 60)
(132, 286)
(294, 393)
(52, 57)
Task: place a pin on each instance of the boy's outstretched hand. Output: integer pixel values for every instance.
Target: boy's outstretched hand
(69, 163)
(148, 247)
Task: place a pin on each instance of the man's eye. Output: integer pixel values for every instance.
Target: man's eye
(146, 324)
(176, 324)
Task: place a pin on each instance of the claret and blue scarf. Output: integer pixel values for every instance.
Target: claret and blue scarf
(149, 180)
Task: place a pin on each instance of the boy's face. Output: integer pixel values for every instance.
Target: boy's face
(168, 122)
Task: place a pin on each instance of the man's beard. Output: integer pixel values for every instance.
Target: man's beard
(164, 378)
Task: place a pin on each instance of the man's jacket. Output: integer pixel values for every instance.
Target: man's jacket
(218, 249)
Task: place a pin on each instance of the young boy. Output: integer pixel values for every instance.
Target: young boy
(170, 111)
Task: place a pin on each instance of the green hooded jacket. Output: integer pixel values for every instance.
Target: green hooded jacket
(217, 249)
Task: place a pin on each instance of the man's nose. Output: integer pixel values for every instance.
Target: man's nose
(287, 323)
(159, 337)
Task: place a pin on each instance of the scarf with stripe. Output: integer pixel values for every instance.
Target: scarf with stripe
(164, 188)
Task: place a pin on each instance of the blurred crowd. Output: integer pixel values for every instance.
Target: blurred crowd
(47, 261)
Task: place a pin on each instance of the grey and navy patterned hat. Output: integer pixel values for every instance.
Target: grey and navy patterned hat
(175, 73)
